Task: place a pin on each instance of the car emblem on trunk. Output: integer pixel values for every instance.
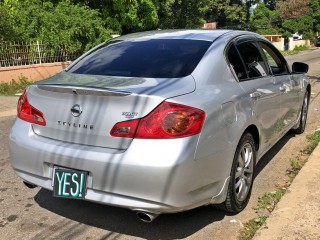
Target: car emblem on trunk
(76, 110)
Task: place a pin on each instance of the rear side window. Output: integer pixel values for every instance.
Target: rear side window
(253, 60)
(155, 58)
(235, 63)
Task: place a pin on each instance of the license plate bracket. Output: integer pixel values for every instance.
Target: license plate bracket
(69, 183)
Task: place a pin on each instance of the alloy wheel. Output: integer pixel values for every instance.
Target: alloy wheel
(244, 172)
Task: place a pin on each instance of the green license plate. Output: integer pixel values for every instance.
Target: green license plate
(69, 183)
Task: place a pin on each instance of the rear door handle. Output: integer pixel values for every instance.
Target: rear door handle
(255, 95)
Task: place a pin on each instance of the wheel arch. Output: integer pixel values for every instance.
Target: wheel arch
(309, 91)
(253, 130)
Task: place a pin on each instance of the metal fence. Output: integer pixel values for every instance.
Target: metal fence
(18, 54)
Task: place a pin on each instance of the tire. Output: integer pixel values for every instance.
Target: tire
(242, 175)
(303, 115)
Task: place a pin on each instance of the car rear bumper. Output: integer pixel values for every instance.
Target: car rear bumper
(158, 176)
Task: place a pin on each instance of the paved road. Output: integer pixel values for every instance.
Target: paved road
(35, 214)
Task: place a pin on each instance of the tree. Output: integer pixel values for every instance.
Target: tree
(264, 20)
(130, 15)
(304, 18)
(6, 28)
(292, 8)
(271, 4)
(73, 27)
(123, 16)
(315, 13)
(228, 14)
(249, 4)
(182, 13)
(303, 25)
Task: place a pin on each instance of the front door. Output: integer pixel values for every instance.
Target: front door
(289, 87)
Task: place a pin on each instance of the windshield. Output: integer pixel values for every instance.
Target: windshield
(153, 58)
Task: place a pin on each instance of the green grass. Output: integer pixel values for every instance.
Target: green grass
(14, 87)
(296, 50)
(268, 201)
(314, 139)
(251, 227)
(296, 165)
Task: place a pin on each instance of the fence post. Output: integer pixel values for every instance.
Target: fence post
(39, 51)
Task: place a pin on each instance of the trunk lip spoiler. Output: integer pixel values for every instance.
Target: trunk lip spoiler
(77, 90)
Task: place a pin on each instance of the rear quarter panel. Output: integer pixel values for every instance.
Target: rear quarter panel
(228, 113)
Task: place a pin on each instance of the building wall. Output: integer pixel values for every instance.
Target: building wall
(32, 72)
(279, 45)
(293, 44)
(278, 41)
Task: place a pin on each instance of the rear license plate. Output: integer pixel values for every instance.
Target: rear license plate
(69, 183)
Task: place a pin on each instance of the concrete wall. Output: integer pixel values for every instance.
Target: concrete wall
(32, 72)
(293, 44)
(278, 41)
(279, 45)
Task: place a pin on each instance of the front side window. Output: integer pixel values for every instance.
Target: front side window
(150, 58)
(253, 60)
(276, 63)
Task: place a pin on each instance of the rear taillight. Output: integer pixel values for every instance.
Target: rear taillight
(125, 129)
(28, 113)
(168, 120)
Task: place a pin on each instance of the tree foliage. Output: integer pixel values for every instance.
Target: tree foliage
(74, 27)
(302, 25)
(79, 24)
(6, 28)
(265, 21)
(293, 8)
(315, 13)
(271, 4)
(301, 16)
(304, 19)
(127, 16)
(123, 16)
(227, 13)
(181, 13)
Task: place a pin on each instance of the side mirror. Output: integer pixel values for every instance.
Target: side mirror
(298, 67)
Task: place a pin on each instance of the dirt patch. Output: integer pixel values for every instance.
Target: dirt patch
(12, 218)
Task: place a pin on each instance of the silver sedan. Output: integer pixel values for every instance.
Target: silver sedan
(160, 122)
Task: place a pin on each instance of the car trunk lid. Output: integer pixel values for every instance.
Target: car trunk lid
(83, 109)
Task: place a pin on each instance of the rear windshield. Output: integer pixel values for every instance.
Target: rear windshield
(155, 58)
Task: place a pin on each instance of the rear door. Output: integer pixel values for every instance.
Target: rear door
(259, 85)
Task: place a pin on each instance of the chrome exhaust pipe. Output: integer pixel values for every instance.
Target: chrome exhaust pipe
(147, 217)
(29, 185)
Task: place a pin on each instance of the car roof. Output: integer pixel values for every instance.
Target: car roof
(201, 34)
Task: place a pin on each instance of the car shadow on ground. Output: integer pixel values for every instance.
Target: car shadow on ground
(317, 78)
(264, 161)
(123, 221)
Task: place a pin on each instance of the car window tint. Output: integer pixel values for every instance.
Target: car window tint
(235, 63)
(277, 65)
(155, 58)
(253, 60)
